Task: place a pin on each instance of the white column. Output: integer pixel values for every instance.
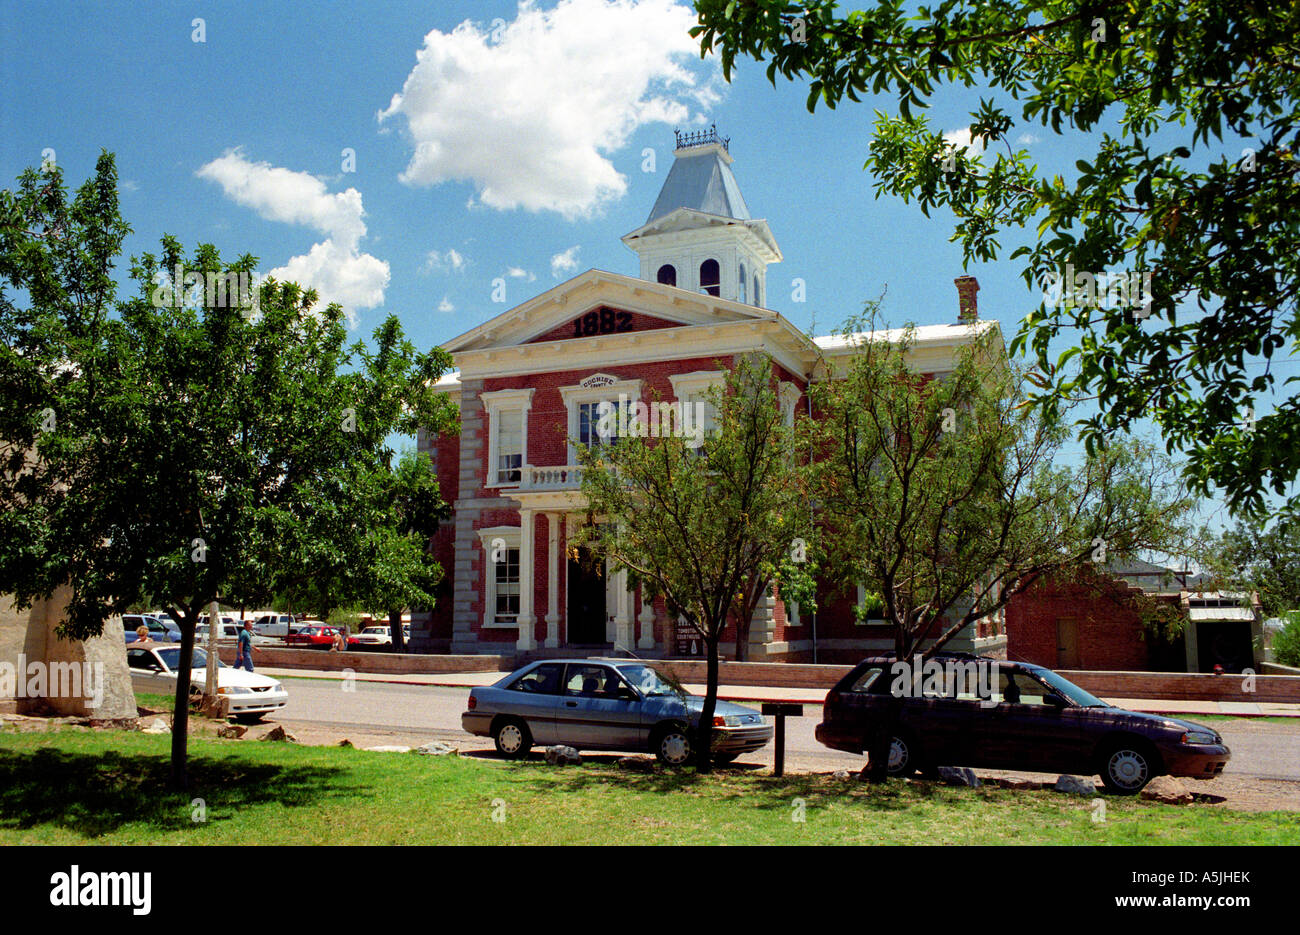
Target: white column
(526, 619)
(553, 580)
(623, 613)
(647, 619)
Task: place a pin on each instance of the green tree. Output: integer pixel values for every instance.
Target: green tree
(1187, 119)
(1255, 556)
(946, 497)
(710, 524)
(180, 444)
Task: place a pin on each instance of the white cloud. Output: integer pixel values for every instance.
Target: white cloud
(528, 111)
(445, 305)
(514, 272)
(336, 268)
(565, 262)
(448, 261)
(1027, 139)
(961, 139)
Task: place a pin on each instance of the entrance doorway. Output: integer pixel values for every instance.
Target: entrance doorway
(586, 614)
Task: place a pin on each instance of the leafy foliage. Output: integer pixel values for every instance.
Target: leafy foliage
(712, 528)
(179, 446)
(1190, 115)
(1265, 558)
(944, 497)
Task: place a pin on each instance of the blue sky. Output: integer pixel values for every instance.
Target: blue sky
(512, 144)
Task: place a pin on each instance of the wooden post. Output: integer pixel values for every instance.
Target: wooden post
(781, 711)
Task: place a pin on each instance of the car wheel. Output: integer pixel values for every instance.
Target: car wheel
(513, 739)
(673, 746)
(903, 754)
(1126, 768)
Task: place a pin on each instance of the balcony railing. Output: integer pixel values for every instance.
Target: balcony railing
(558, 477)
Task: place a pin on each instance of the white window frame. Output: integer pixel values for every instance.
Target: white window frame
(494, 404)
(698, 383)
(513, 538)
(789, 402)
(607, 388)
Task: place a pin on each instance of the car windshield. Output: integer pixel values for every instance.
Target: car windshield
(648, 681)
(172, 657)
(1071, 691)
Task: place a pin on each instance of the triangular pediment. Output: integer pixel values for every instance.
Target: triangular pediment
(620, 304)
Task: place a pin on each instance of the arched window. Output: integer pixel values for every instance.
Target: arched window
(667, 275)
(742, 283)
(758, 299)
(710, 278)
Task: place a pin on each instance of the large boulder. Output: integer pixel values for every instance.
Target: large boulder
(82, 678)
(1167, 791)
(562, 756)
(1075, 785)
(958, 776)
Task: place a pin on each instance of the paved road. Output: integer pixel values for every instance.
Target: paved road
(1261, 750)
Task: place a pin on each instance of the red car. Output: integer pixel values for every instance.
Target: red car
(317, 637)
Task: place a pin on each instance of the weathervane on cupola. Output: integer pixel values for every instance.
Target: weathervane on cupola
(700, 235)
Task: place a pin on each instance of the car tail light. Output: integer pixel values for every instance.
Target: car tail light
(473, 702)
(832, 698)
(719, 721)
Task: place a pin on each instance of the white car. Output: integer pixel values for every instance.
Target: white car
(252, 696)
(381, 635)
(375, 636)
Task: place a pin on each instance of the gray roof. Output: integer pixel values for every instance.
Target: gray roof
(701, 180)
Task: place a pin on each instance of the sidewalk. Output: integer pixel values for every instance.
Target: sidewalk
(804, 696)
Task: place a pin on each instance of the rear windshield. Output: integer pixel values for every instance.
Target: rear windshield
(864, 678)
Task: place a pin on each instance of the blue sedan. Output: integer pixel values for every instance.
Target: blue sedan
(592, 704)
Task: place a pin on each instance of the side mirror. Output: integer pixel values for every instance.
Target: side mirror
(1055, 701)
(626, 694)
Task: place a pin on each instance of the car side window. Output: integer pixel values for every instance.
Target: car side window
(591, 682)
(1019, 688)
(866, 678)
(544, 680)
(140, 659)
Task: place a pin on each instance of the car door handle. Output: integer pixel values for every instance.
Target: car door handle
(570, 704)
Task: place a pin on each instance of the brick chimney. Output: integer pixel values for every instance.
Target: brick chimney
(967, 306)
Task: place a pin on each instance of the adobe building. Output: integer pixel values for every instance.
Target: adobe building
(1094, 622)
(529, 384)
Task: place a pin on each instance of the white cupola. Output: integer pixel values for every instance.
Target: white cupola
(699, 235)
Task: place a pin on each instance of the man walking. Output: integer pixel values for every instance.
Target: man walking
(244, 649)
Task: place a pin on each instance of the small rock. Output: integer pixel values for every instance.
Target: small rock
(1075, 785)
(1167, 791)
(157, 726)
(1012, 782)
(279, 733)
(958, 776)
(562, 756)
(437, 748)
(388, 748)
(344, 743)
(232, 731)
(637, 764)
(842, 774)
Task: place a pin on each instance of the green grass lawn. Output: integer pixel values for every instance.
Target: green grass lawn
(109, 787)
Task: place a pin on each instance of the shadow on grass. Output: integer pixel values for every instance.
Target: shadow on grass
(97, 794)
(734, 783)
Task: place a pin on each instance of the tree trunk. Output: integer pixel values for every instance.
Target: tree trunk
(395, 628)
(181, 711)
(881, 740)
(743, 621)
(704, 730)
